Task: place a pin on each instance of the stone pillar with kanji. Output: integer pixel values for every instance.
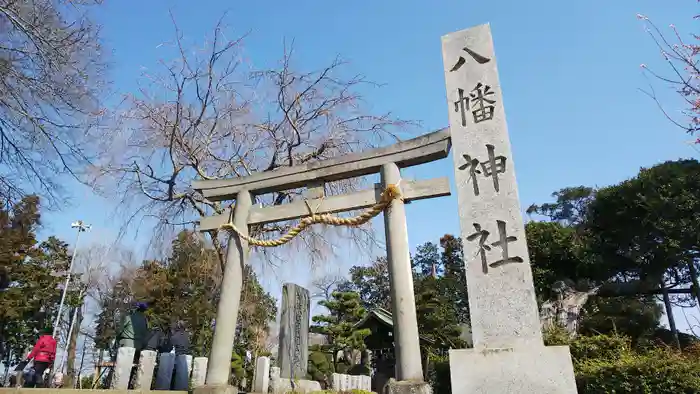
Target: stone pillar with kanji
(509, 355)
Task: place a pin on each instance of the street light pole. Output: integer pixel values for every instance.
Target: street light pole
(82, 227)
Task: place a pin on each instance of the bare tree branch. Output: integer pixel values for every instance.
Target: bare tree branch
(683, 60)
(207, 116)
(51, 79)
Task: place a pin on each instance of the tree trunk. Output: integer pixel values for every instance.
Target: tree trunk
(69, 381)
(80, 368)
(694, 278)
(669, 314)
(98, 369)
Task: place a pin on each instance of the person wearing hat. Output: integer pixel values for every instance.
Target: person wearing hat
(134, 332)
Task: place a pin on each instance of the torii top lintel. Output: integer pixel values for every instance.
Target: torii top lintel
(420, 150)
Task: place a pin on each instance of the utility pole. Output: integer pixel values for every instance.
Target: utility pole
(82, 227)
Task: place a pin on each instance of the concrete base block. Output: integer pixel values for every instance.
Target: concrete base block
(283, 385)
(407, 387)
(215, 390)
(540, 369)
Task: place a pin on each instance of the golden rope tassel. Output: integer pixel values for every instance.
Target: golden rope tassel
(388, 195)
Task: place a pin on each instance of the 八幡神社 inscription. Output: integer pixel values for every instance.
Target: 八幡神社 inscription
(478, 101)
(483, 235)
(502, 305)
(493, 166)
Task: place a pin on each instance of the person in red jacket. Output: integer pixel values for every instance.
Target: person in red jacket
(43, 353)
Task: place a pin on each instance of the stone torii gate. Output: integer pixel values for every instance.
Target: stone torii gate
(387, 161)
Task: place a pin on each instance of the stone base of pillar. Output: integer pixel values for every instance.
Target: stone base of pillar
(537, 369)
(215, 390)
(285, 385)
(408, 387)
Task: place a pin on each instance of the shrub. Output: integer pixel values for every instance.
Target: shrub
(609, 364)
(658, 371)
(605, 347)
(439, 375)
(320, 366)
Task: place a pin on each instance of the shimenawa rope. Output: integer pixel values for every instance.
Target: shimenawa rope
(388, 195)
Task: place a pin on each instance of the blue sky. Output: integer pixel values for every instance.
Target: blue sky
(569, 72)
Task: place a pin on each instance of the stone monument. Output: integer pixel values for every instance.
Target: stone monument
(261, 379)
(508, 355)
(122, 368)
(199, 371)
(293, 353)
(144, 373)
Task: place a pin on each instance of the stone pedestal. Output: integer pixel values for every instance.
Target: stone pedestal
(409, 387)
(122, 368)
(261, 382)
(199, 371)
(144, 374)
(541, 370)
(284, 386)
(215, 390)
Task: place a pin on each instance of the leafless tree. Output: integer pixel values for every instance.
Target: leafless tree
(51, 77)
(92, 266)
(208, 115)
(325, 285)
(682, 54)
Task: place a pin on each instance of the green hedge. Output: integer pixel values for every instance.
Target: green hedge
(656, 372)
(607, 364)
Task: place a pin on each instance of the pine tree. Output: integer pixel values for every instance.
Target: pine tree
(437, 317)
(344, 311)
(455, 276)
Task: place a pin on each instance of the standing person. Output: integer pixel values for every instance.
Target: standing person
(135, 333)
(134, 330)
(180, 338)
(44, 354)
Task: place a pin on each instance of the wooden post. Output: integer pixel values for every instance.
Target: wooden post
(219, 366)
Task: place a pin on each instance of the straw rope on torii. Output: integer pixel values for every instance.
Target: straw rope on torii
(389, 194)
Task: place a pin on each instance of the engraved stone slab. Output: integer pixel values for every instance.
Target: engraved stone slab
(293, 354)
(335, 382)
(262, 375)
(501, 291)
(509, 355)
(144, 374)
(366, 383)
(355, 382)
(199, 371)
(122, 368)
